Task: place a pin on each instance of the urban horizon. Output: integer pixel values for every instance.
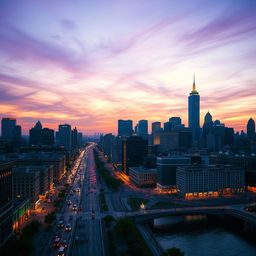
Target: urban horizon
(91, 70)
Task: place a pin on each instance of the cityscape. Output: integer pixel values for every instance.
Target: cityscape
(127, 128)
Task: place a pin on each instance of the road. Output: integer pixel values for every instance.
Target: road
(81, 212)
(90, 217)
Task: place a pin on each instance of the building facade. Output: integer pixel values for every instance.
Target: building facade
(142, 177)
(202, 181)
(125, 128)
(194, 113)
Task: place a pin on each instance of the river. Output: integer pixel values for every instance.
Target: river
(202, 235)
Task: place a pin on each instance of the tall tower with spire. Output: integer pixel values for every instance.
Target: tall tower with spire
(194, 113)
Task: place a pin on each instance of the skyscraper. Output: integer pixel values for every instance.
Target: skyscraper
(194, 113)
(35, 134)
(125, 128)
(8, 125)
(156, 127)
(251, 128)
(64, 136)
(143, 129)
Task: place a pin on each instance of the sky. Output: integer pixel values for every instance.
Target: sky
(91, 62)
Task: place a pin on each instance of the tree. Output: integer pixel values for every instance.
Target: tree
(173, 252)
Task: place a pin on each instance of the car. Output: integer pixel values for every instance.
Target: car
(61, 224)
(64, 243)
(68, 227)
(56, 242)
(69, 202)
(61, 251)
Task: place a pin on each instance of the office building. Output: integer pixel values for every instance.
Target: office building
(74, 137)
(26, 184)
(142, 177)
(125, 128)
(176, 123)
(166, 171)
(8, 125)
(5, 201)
(156, 127)
(202, 181)
(64, 136)
(143, 129)
(47, 136)
(251, 129)
(134, 149)
(194, 113)
(41, 136)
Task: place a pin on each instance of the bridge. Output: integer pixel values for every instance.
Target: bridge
(236, 211)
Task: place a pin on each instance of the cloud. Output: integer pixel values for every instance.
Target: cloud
(68, 24)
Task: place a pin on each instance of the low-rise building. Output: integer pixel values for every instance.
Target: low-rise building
(26, 184)
(5, 201)
(166, 171)
(142, 177)
(204, 181)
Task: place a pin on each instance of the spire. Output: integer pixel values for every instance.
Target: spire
(194, 84)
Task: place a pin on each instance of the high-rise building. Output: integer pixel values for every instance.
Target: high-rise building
(194, 113)
(143, 129)
(17, 134)
(251, 128)
(156, 127)
(47, 136)
(175, 122)
(134, 149)
(41, 136)
(64, 136)
(74, 137)
(125, 128)
(35, 134)
(8, 125)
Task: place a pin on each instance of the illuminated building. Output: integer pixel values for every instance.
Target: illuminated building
(204, 181)
(142, 177)
(20, 213)
(125, 128)
(194, 113)
(166, 171)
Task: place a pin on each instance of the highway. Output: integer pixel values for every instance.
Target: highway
(81, 212)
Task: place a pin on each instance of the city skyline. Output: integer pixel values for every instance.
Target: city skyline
(91, 64)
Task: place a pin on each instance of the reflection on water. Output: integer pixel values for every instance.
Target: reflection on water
(201, 235)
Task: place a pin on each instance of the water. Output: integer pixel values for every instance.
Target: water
(204, 236)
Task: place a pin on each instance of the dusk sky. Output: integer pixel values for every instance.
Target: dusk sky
(91, 62)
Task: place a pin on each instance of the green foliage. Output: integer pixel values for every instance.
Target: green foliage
(163, 205)
(50, 218)
(110, 181)
(112, 248)
(135, 202)
(22, 243)
(173, 252)
(127, 230)
(103, 203)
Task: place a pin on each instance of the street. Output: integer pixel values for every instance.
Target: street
(78, 227)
